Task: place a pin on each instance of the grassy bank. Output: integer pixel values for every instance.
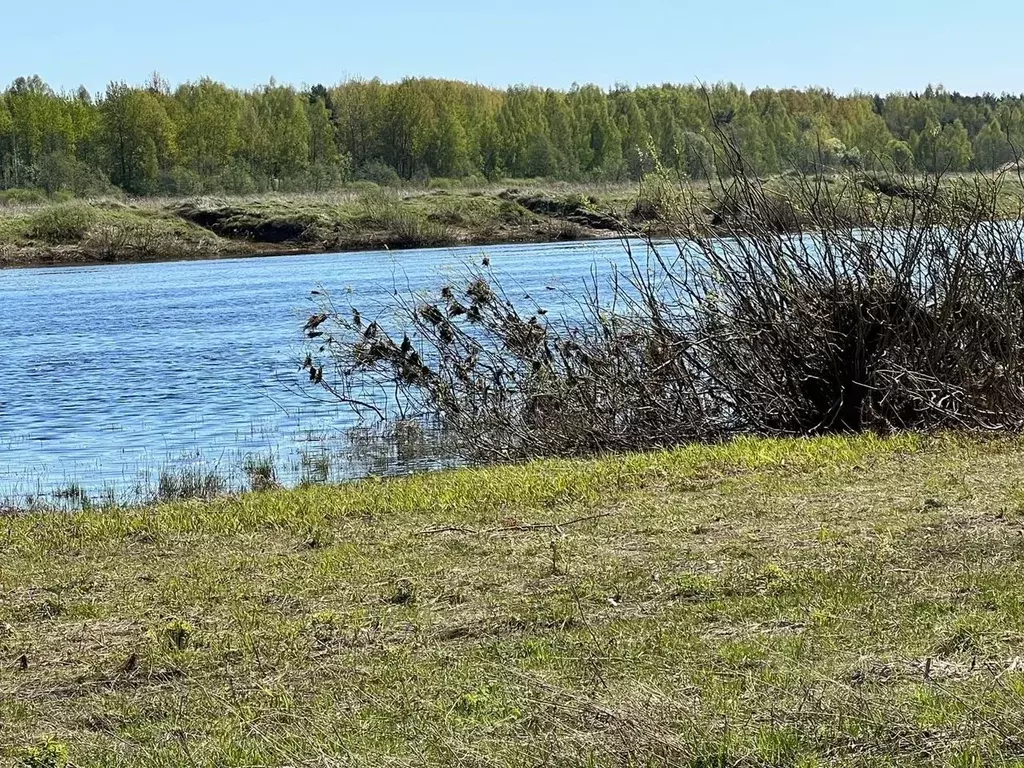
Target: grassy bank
(110, 231)
(815, 602)
(107, 231)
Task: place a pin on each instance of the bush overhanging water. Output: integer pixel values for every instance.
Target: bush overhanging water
(772, 317)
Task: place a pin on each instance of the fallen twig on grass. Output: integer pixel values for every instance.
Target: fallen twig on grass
(517, 527)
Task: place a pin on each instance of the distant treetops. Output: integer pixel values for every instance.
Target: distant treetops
(206, 137)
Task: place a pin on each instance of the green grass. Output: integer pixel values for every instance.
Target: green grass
(762, 603)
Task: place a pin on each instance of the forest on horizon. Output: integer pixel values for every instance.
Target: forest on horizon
(205, 137)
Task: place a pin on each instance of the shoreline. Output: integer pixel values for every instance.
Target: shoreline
(112, 231)
(106, 232)
(266, 250)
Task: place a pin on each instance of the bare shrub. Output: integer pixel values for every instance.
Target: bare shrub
(118, 239)
(789, 316)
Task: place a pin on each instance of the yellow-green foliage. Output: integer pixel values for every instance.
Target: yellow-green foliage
(204, 137)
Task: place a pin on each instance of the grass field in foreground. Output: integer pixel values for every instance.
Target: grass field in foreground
(815, 602)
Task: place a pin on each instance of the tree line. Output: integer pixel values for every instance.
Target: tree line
(207, 137)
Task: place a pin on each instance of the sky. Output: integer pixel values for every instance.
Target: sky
(871, 45)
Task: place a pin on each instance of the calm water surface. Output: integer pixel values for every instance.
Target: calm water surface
(111, 374)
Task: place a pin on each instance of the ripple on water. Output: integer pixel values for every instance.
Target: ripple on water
(111, 374)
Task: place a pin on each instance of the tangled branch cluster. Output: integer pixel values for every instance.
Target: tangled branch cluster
(739, 325)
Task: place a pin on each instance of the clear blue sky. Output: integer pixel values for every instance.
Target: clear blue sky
(869, 45)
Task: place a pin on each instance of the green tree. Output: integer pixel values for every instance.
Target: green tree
(699, 156)
(992, 149)
(900, 155)
(447, 151)
(208, 120)
(636, 139)
(358, 113)
(520, 120)
(597, 146)
(285, 128)
(408, 128)
(6, 144)
(779, 128)
(326, 168)
(138, 137)
(204, 135)
(942, 148)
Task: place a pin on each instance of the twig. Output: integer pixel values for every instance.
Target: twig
(445, 529)
(518, 527)
(547, 526)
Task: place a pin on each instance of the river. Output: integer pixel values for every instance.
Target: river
(112, 375)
